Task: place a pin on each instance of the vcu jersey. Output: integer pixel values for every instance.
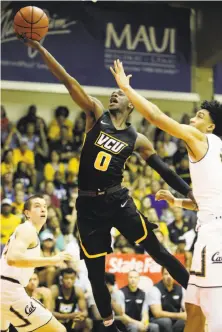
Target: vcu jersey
(104, 154)
(66, 306)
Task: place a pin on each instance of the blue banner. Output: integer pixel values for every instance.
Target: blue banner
(152, 40)
(218, 79)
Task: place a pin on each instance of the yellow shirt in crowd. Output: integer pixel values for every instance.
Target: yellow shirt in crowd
(8, 226)
(7, 168)
(26, 157)
(18, 207)
(54, 129)
(73, 165)
(49, 171)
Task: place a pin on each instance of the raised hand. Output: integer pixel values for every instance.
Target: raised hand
(29, 42)
(61, 257)
(166, 196)
(118, 72)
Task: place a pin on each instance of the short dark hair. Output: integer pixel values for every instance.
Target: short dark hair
(68, 270)
(28, 202)
(110, 278)
(215, 110)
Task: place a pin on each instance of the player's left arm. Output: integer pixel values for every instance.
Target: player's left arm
(166, 195)
(148, 153)
(47, 297)
(81, 302)
(151, 112)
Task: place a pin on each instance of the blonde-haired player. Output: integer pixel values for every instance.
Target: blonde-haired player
(19, 258)
(204, 146)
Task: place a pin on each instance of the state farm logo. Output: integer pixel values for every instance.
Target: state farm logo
(120, 265)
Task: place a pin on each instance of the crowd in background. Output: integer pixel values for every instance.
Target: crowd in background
(37, 158)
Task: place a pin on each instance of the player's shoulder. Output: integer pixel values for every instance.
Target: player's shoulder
(26, 228)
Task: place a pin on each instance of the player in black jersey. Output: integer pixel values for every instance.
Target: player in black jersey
(102, 202)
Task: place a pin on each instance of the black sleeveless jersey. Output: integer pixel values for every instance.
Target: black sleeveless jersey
(66, 306)
(104, 154)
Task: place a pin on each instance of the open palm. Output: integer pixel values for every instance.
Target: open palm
(118, 72)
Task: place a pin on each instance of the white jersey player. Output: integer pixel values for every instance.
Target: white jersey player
(19, 258)
(204, 147)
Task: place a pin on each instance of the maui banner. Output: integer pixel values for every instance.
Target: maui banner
(152, 40)
(121, 264)
(218, 79)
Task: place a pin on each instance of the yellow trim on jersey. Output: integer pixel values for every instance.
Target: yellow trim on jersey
(145, 231)
(116, 139)
(91, 256)
(84, 139)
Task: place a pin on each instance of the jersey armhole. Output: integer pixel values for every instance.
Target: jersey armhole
(86, 132)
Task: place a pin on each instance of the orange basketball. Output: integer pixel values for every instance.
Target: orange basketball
(31, 22)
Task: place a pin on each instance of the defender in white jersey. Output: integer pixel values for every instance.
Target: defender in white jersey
(19, 258)
(204, 147)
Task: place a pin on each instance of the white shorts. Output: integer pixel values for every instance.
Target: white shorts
(206, 269)
(20, 310)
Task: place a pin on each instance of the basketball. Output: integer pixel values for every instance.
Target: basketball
(31, 22)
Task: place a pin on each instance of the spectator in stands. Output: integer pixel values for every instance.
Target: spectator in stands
(134, 303)
(185, 119)
(18, 204)
(32, 138)
(121, 245)
(179, 226)
(22, 174)
(64, 146)
(73, 165)
(50, 191)
(170, 147)
(152, 216)
(183, 170)
(61, 188)
(53, 166)
(31, 117)
(69, 304)
(159, 206)
(53, 227)
(7, 186)
(180, 153)
(4, 124)
(166, 302)
(61, 120)
(78, 133)
(23, 154)
(12, 140)
(42, 294)
(51, 208)
(133, 166)
(7, 165)
(9, 221)
(47, 274)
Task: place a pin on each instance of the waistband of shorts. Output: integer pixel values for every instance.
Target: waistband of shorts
(99, 192)
(10, 279)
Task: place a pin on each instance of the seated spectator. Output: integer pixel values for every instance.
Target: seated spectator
(180, 153)
(170, 147)
(183, 170)
(61, 119)
(18, 204)
(53, 166)
(126, 179)
(181, 250)
(133, 165)
(61, 188)
(31, 137)
(64, 146)
(7, 186)
(4, 124)
(47, 274)
(42, 294)
(179, 226)
(23, 154)
(166, 302)
(52, 209)
(73, 165)
(69, 304)
(121, 245)
(23, 175)
(9, 221)
(159, 206)
(153, 217)
(78, 133)
(134, 303)
(7, 165)
(31, 117)
(53, 227)
(50, 191)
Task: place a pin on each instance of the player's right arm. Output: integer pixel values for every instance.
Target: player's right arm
(89, 104)
(176, 202)
(17, 248)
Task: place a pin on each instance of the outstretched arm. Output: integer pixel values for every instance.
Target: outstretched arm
(176, 202)
(147, 152)
(151, 112)
(78, 94)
